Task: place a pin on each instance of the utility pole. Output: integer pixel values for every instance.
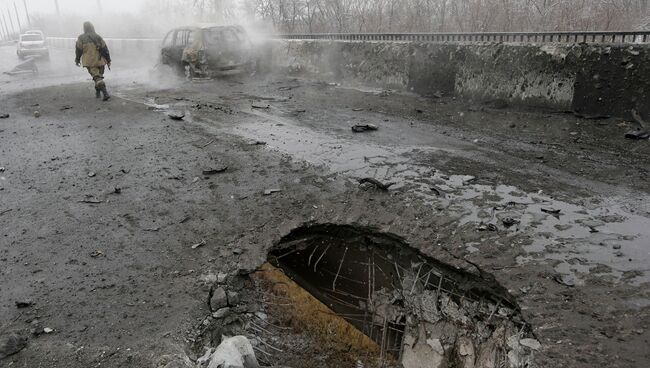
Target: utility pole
(11, 21)
(2, 30)
(20, 26)
(6, 27)
(58, 11)
(29, 21)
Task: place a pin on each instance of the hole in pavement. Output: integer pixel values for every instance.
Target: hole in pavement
(334, 295)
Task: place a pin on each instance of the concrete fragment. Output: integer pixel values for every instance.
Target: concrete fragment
(466, 355)
(221, 313)
(233, 298)
(422, 355)
(234, 352)
(219, 299)
(221, 277)
(205, 359)
(531, 344)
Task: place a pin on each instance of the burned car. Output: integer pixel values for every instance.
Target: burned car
(209, 51)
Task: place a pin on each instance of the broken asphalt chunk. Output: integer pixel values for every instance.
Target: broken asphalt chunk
(4, 116)
(176, 115)
(487, 227)
(566, 280)
(638, 134)
(552, 211)
(379, 185)
(361, 128)
(509, 222)
(21, 304)
(271, 191)
(215, 170)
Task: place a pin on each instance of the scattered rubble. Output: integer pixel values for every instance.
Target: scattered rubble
(176, 115)
(376, 183)
(637, 134)
(20, 304)
(4, 116)
(215, 170)
(234, 352)
(361, 128)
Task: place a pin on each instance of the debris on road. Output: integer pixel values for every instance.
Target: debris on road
(487, 227)
(361, 128)
(271, 191)
(5, 211)
(379, 185)
(11, 344)
(207, 144)
(530, 343)
(436, 190)
(197, 245)
(37, 114)
(92, 174)
(234, 352)
(26, 67)
(638, 134)
(566, 280)
(552, 211)
(258, 143)
(2, 169)
(21, 304)
(4, 116)
(48, 330)
(117, 190)
(510, 222)
(215, 170)
(260, 106)
(97, 254)
(66, 107)
(176, 115)
(91, 200)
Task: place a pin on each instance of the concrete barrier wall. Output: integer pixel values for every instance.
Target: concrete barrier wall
(589, 79)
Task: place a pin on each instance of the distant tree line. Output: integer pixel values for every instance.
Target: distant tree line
(450, 15)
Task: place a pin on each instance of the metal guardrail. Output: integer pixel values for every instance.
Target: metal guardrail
(529, 37)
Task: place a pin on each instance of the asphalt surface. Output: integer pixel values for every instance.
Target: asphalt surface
(113, 272)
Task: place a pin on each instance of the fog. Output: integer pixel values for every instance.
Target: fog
(118, 18)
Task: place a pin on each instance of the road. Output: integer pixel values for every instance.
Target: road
(114, 274)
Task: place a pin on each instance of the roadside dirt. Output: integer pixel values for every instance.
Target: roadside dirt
(114, 275)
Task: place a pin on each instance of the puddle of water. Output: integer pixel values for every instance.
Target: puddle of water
(587, 232)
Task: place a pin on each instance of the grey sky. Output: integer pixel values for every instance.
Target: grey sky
(79, 7)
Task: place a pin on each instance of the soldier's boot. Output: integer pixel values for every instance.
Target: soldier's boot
(106, 95)
(102, 87)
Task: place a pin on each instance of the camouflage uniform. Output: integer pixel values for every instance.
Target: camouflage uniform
(91, 50)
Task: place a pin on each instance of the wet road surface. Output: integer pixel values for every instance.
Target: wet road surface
(576, 256)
